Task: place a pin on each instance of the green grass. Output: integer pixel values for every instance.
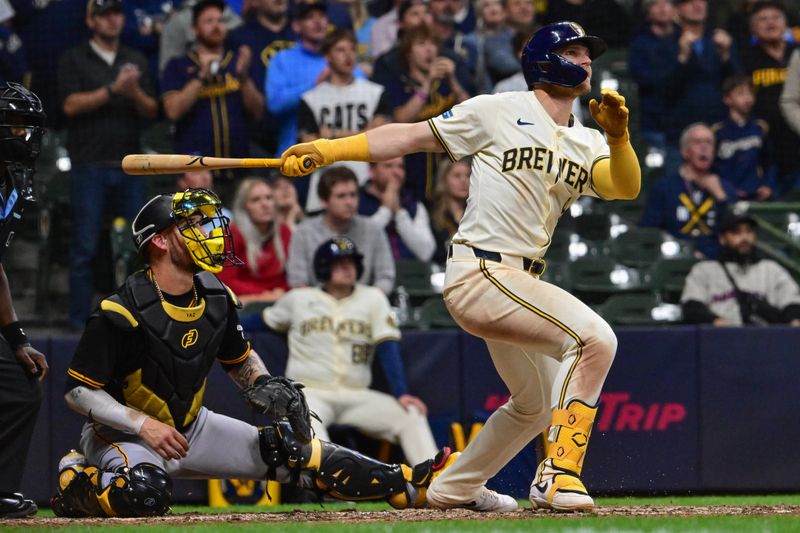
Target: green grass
(523, 523)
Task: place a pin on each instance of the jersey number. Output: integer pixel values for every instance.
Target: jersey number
(361, 354)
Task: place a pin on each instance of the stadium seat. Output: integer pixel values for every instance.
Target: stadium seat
(593, 226)
(434, 314)
(638, 310)
(595, 278)
(668, 275)
(557, 273)
(641, 247)
(415, 277)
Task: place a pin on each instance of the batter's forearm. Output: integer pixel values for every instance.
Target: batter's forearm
(395, 140)
(245, 374)
(619, 177)
(101, 407)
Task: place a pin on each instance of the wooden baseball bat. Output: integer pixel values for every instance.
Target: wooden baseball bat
(142, 164)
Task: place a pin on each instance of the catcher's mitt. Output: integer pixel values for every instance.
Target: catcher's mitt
(281, 398)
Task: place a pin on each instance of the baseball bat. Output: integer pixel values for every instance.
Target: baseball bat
(142, 164)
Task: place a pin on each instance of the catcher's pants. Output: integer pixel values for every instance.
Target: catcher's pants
(220, 447)
(20, 398)
(548, 347)
(375, 414)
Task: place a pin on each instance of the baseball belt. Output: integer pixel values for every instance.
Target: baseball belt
(532, 266)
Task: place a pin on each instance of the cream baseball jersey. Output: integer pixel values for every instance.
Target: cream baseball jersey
(526, 169)
(331, 342)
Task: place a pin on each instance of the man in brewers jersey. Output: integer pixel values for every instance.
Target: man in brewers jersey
(531, 161)
(334, 330)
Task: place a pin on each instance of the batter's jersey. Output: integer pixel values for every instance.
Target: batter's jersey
(526, 170)
(331, 342)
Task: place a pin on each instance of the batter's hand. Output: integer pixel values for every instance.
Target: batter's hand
(610, 113)
(165, 440)
(305, 158)
(406, 400)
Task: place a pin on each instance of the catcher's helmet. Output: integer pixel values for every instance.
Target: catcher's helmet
(198, 215)
(21, 124)
(332, 250)
(540, 62)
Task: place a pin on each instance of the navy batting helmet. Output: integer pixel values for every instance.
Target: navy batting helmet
(330, 251)
(540, 62)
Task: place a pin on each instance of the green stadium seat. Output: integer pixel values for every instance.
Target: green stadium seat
(415, 277)
(434, 314)
(595, 278)
(557, 273)
(668, 275)
(638, 310)
(641, 247)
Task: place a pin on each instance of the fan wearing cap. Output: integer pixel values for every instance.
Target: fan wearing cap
(531, 159)
(741, 287)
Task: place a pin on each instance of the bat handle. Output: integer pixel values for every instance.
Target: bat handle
(307, 162)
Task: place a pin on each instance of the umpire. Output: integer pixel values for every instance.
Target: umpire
(21, 366)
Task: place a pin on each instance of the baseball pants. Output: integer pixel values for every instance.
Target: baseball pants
(20, 398)
(547, 346)
(220, 447)
(375, 414)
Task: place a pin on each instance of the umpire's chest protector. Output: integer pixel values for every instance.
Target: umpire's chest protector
(181, 345)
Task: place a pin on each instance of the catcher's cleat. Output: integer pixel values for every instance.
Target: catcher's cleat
(557, 484)
(560, 490)
(488, 501)
(15, 505)
(421, 475)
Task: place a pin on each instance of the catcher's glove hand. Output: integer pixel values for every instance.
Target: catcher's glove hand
(281, 398)
(610, 113)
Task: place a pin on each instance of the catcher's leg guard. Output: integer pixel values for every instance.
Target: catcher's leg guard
(344, 473)
(144, 490)
(557, 484)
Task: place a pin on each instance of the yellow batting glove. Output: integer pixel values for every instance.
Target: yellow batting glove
(611, 114)
(305, 158)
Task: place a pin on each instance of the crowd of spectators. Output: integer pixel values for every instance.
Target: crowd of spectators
(718, 96)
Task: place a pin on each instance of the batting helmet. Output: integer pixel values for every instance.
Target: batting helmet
(541, 63)
(332, 250)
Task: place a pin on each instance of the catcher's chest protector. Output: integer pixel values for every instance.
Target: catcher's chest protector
(181, 346)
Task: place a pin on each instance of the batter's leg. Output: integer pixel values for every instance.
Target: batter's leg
(380, 415)
(507, 431)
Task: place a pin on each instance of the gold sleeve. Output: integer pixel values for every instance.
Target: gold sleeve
(619, 176)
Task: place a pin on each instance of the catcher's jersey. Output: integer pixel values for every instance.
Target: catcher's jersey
(331, 342)
(526, 169)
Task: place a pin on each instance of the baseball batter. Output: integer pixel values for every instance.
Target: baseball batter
(140, 374)
(531, 161)
(334, 331)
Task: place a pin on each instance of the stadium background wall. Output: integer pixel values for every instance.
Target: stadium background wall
(684, 409)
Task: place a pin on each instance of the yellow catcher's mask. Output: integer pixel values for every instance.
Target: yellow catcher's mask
(206, 231)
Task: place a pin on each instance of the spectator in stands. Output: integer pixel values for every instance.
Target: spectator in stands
(521, 16)
(266, 30)
(144, 21)
(605, 18)
(287, 207)
(107, 96)
(338, 190)
(701, 58)
(516, 82)
(449, 203)
(337, 13)
(450, 37)
(742, 156)
(688, 203)
(383, 34)
(493, 40)
(178, 35)
(393, 208)
(428, 87)
(362, 27)
(209, 92)
(296, 70)
(741, 287)
(655, 42)
(767, 60)
(262, 243)
(200, 179)
(342, 105)
(13, 57)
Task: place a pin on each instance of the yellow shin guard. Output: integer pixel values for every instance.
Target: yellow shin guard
(572, 427)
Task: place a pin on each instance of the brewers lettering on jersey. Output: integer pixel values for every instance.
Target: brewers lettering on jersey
(530, 160)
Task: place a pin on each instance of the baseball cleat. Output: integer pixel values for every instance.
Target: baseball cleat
(15, 505)
(560, 490)
(488, 501)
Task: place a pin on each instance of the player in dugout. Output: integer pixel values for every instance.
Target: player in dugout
(140, 372)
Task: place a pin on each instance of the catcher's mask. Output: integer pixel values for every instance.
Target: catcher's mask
(197, 213)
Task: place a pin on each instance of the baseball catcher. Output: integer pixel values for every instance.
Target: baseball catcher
(140, 372)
